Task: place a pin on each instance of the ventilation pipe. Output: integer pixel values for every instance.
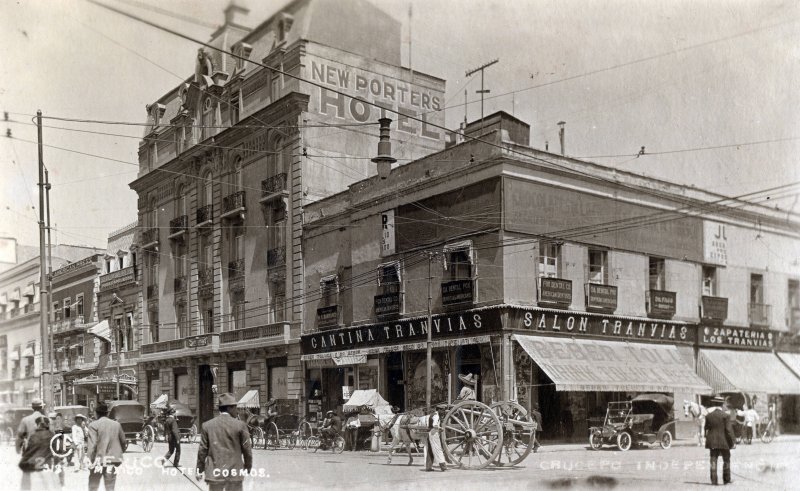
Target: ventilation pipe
(384, 160)
(561, 135)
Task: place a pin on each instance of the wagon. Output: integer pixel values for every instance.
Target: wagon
(183, 415)
(646, 419)
(131, 415)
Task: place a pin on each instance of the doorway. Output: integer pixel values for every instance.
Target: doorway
(205, 394)
(395, 390)
(550, 407)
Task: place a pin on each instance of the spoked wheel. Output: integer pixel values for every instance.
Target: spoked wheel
(273, 437)
(472, 435)
(193, 434)
(148, 437)
(338, 445)
(596, 439)
(304, 432)
(624, 441)
(257, 435)
(768, 435)
(665, 440)
(312, 444)
(518, 432)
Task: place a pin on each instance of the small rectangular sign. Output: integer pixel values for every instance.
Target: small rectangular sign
(388, 246)
(387, 304)
(715, 308)
(456, 292)
(601, 297)
(715, 243)
(555, 291)
(660, 303)
(328, 316)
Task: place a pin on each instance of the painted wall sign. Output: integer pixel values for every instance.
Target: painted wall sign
(555, 291)
(715, 308)
(715, 243)
(398, 99)
(456, 292)
(456, 325)
(388, 247)
(328, 316)
(387, 304)
(601, 297)
(661, 303)
(581, 324)
(737, 337)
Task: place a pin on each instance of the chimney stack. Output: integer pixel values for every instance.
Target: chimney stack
(384, 158)
(561, 135)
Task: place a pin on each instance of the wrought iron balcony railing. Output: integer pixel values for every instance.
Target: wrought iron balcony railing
(204, 214)
(149, 237)
(179, 284)
(206, 276)
(759, 314)
(178, 224)
(233, 202)
(236, 268)
(274, 185)
(276, 257)
(152, 292)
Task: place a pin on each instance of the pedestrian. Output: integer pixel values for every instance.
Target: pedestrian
(173, 435)
(434, 455)
(37, 462)
(79, 440)
(225, 450)
(331, 428)
(720, 439)
(104, 446)
(351, 430)
(750, 422)
(537, 416)
(28, 424)
(468, 390)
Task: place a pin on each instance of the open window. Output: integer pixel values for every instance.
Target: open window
(459, 261)
(549, 260)
(598, 266)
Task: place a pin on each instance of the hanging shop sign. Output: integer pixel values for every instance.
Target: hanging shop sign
(715, 243)
(388, 247)
(387, 304)
(660, 303)
(401, 331)
(328, 316)
(715, 309)
(601, 297)
(566, 322)
(555, 291)
(737, 337)
(456, 292)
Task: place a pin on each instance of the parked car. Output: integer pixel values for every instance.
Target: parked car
(648, 418)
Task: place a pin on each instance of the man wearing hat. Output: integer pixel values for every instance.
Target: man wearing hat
(37, 462)
(79, 440)
(225, 448)
(720, 439)
(105, 444)
(468, 390)
(173, 435)
(331, 426)
(28, 424)
(434, 455)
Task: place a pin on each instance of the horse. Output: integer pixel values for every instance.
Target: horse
(699, 413)
(402, 428)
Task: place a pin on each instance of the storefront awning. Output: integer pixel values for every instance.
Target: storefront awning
(160, 402)
(792, 360)
(101, 330)
(594, 365)
(249, 400)
(746, 371)
(344, 356)
(28, 353)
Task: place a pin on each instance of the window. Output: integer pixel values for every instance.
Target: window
(152, 215)
(277, 382)
(389, 277)
(238, 310)
(56, 312)
(598, 266)
(119, 334)
(329, 291)
(709, 281)
(183, 320)
(208, 190)
(129, 330)
(181, 203)
(549, 252)
(179, 260)
(793, 300)
(207, 119)
(237, 380)
(207, 315)
(152, 269)
(458, 261)
(67, 308)
(234, 104)
(79, 305)
(152, 314)
(756, 289)
(657, 274)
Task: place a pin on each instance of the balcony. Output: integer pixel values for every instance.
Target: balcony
(205, 278)
(202, 344)
(123, 358)
(233, 204)
(276, 258)
(30, 308)
(67, 325)
(759, 314)
(118, 279)
(204, 215)
(180, 283)
(271, 332)
(149, 238)
(178, 226)
(794, 319)
(236, 269)
(152, 292)
(273, 188)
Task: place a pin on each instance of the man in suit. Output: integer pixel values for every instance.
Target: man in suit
(28, 426)
(105, 442)
(225, 450)
(720, 439)
(173, 436)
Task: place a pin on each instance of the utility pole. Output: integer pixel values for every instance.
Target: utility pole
(44, 379)
(50, 276)
(429, 344)
(482, 91)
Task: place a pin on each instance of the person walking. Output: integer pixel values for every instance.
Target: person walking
(225, 450)
(37, 462)
(173, 435)
(28, 425)
(105, 441)
(467, 392)
(79, 441)
(751, 420)
(720, 439)
(434, 455)
(537, 416)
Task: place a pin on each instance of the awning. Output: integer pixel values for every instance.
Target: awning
(792, 360)
(746, 371)
(369, 398)
(28, 353)
(101, 330)
(29, 291)
(4, 299)
(593, 365)
(249, 400)
(343, 355)
(14, 355)
(160, 402)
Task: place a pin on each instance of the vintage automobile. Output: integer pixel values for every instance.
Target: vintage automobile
(648, 418)
(131, 415)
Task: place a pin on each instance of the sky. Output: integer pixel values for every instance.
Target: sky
(673, 76)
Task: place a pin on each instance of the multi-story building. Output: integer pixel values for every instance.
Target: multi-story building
(20, 322)
(557, 281)
(229, 161)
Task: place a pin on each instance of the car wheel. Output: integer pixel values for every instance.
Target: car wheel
(624, 441)
(666, 440)
(596, 439)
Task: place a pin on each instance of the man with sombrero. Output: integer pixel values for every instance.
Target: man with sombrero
(470, 382)
(720, 439)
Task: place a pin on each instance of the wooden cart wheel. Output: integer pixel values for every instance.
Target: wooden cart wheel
(273, 437)
(257, 437)
(518, 433)
(472, 435)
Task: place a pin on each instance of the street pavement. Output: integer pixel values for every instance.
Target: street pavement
(771, 466)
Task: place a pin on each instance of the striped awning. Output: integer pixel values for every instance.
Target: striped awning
(746, 371)
(101, 330)
(249, 400)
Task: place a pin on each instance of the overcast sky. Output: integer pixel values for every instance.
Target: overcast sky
(667, 75)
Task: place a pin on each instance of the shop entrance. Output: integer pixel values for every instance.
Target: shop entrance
(468, 361)
(205, 394)
(394, 378)
(550, 406)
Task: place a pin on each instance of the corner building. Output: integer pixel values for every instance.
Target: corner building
(229, 161)
(559, 282)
